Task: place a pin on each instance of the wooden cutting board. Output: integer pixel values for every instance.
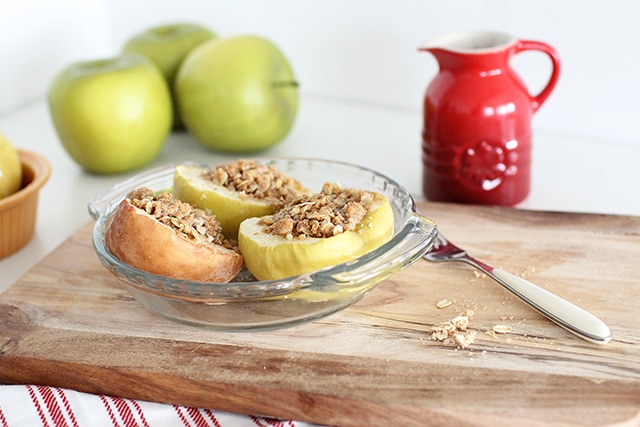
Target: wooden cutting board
(68, 323)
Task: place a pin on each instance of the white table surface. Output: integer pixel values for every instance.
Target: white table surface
(570, 173)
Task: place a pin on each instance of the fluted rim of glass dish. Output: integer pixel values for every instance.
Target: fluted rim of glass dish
(413, 236)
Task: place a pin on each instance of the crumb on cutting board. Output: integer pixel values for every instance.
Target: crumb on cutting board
(454, 332)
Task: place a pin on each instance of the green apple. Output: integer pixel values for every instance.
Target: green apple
(237, 94)
(10, 168)
(166, 46)
(111, 115)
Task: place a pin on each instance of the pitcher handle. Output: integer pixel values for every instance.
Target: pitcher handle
(539, 99)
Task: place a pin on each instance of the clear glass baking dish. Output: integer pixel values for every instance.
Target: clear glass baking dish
(247, 304)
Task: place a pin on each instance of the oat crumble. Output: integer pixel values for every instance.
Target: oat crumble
(189, 221)
(255, 180)
(331, 212)
(443, 303)
(454, 332)
(501, 329)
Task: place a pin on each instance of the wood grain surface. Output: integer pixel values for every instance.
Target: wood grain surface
(68, 323)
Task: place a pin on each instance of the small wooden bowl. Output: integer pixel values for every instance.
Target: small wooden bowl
(18, 211)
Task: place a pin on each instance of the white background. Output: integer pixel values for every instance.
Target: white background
(357, 50)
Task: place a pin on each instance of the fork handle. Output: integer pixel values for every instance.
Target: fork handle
(565, 314)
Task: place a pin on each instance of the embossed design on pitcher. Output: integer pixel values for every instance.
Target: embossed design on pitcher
(486, 165)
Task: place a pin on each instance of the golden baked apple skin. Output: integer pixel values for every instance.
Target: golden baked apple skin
(272, 257)
(229, 207)
(138, 239)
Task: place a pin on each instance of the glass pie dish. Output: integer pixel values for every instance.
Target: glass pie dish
(248, 304)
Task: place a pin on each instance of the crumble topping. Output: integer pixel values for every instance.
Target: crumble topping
(256, 180)
(443, 303)
(331, 212)
(501, 329)
(454, 332)
(191, 222)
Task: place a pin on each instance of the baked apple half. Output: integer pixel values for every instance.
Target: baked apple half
(315, 231)
(165, 236)
(235, 191)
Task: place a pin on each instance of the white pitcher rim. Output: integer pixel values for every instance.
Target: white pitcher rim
(471, 42)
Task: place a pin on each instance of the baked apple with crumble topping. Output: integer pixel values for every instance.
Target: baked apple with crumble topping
(235, 191)
(315, 231)
(163, 235)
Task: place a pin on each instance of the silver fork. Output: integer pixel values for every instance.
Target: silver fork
(562, 312)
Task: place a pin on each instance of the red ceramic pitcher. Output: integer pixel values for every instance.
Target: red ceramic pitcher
(476, 140)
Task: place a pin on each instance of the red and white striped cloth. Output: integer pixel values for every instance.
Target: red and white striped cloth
(31, 406)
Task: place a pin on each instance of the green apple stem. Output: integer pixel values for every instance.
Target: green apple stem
(285, 84)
